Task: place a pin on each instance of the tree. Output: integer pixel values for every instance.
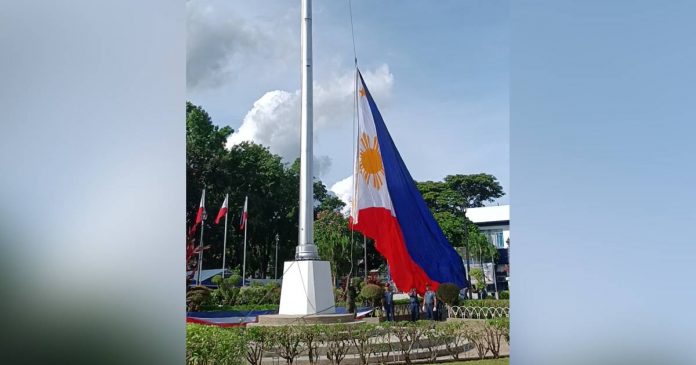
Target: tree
(332, 237)
(474, 190)
(481, 248)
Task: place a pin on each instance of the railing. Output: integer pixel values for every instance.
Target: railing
(477, 312)
(402, 311)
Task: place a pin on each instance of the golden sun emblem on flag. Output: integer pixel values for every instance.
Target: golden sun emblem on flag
(371, 161)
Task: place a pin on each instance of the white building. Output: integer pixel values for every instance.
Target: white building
(494, 222)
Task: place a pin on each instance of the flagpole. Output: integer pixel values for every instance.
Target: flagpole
(200, 244)
(365, 258)
(276, 257)
(306, 249)
(246, 228)
(224, 240)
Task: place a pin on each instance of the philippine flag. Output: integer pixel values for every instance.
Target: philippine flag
(388, 208)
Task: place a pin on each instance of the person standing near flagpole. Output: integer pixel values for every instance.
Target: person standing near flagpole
(243, 225)
(200, 218)
(223, 212)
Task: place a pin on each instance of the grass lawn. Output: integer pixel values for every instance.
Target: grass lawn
(502, 361)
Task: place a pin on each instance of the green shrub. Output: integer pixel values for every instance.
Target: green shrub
(408, 334)
(357, 282)
(258, 294)
(258, 340)
(214, 345)
(362, 337)
(504, 294)
(240, 308)
(234, 280)
(475, 334)
(338, 342)
(455, 333)
(197, 297)
(373, 343)
(217, 280)
(494, 330)
(288, 340)
(504, 303)
(372, 292)
(339, 295)
(477, 275)
(449, 293)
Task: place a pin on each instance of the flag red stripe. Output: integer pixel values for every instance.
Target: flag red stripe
(221, 214)
(381, 226)
(242, 223)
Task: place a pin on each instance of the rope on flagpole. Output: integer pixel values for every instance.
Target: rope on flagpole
(352, 32)
(355, 107)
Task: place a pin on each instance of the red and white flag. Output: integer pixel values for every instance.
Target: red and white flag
(201, 210)
(223, 210)
(243, 221)
(200, 216)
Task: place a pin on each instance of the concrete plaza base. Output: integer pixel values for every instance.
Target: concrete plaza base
(307, 289)
(294, 319)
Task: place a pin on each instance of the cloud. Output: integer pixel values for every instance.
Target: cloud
(344, 191)
(220, 44)
(274, 119)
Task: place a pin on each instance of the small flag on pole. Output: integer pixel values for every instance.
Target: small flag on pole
(200, 216)
(242, 222)
(201, 209)
(223, 210)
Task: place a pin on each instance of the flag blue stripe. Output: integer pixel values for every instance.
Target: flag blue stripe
(424, 240)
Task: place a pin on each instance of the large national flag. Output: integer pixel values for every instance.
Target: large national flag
(223, 210)
(243, 220)
(200, 216)
(388, 208)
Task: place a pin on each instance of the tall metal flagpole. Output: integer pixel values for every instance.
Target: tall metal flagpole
(200, 244)
(246, 228)
(306, 250)
(224, 240)
(276, 257)
(307, 287)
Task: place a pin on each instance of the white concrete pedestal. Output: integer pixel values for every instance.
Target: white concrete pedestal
(307, 288)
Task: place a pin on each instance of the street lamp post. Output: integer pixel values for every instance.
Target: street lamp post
(276, 257)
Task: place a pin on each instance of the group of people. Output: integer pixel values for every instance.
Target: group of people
(429, 307)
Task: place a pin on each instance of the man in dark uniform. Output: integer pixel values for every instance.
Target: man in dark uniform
(429, 302)
(413, 304)
(388, 302)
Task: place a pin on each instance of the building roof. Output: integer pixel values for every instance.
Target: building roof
(206, 274)
(497, 213)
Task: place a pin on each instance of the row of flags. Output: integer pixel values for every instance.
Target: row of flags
(201, 214)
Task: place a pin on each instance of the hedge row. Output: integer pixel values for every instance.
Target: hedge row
(496, 303)
(228, 294)
(215, 345)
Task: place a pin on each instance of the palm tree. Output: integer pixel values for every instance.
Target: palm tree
(484, 249)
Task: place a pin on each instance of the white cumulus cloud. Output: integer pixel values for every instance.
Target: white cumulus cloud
(344, 191)
(274, 119)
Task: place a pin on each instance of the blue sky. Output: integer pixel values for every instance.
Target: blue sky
(438, 70)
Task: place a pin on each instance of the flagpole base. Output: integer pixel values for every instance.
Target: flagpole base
(306, 252)
(307, 288)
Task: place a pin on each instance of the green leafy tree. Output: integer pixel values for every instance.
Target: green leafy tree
(474, 190)
(332, 237)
